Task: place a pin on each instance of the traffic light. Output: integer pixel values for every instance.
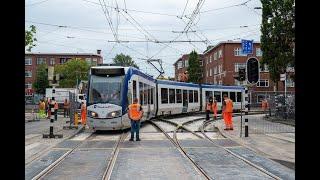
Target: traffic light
(253, 70)
(242, 74)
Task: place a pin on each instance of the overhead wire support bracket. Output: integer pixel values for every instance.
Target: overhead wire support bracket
(161, 71)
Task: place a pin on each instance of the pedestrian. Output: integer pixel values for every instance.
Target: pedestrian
(227, 109)
(215, 108)
(83, 113)
(66, 108)
(41, 109)
(208, 108)
(56, 107)
(135, 114)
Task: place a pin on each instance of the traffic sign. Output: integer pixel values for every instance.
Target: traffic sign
(253, 71)
(247, 46)
(282, 77)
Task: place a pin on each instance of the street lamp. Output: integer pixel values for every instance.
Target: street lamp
(257, 8)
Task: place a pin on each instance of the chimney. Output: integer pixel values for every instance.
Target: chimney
(99, 52)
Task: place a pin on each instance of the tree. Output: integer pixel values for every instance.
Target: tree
(278, 36)
(72, 72)
(29, 38)
(41, 82)
(194, 69)
(124, 60)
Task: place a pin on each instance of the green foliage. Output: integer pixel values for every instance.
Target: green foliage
(278, 36)
(194, 69)
(41, 82)
(124, 60)
(29, 38)
(72, 72)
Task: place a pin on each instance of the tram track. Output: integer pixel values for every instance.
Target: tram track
(205, 123)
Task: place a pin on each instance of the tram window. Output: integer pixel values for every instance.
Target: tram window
(134, 85)
(179, 98)
(141, 92)
(217, 96)
(152, 94)
(233, 96)
(224, 92)
(208, 94)
(145, 94)
(190, 96)
(172, 96)
(196, 96)
(164, 95)
(239, 96)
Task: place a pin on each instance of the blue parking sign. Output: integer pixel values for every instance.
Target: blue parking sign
(247, 46)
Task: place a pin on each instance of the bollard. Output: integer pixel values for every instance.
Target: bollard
(51, 135)
(246, 128)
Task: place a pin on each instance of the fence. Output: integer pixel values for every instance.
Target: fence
(278, 118)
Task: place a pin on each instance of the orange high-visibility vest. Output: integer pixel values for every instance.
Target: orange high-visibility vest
(134, 112)
(229, 105)
(209, 107)
(214, 105)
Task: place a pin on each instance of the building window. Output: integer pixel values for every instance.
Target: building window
(219, 69)
(202, 62)
(239, 65)
(290, 82)
(28, 86)
(220, 53)
(207, 60)
(179, 64)
(210, 58)
(207, 73)
(52, 61)
(210, 70)
(220, 82)
(215, 56)
(186, 63)
(238, 52)
(215, 80)
(164, 95)
(263, 83)
(28, 73)
(28, 61)
(215, 70)
(258, 52)
(264, 68)
(63, 60)
(172, 96)
(179, 95)
(88, 60)
(41, 61)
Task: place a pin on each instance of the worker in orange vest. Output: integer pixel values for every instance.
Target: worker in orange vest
(83, 113)
(209, 108)
(135, 114)
(215, 108)
(227, 109)
(264, 105)
(56, 107)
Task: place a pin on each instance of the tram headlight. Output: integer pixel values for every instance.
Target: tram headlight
(92, 114)
(114, 114)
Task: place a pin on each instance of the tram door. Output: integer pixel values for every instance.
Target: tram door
(185, 101)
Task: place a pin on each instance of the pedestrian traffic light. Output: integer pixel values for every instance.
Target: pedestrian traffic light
(242, 74)
(253, 70)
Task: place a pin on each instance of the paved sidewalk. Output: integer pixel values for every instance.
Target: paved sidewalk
(273, 142)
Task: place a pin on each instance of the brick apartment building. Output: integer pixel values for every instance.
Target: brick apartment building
(182, 64)
(221, 62)
(32, 60)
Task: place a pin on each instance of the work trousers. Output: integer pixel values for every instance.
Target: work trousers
(227, 116)
(207, 115)
(55, 114)
(66, 112)
(135, 126)
(214, 114)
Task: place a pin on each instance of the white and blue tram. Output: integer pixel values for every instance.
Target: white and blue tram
(112, 88)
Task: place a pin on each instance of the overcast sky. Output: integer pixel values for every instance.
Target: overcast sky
(81, 26)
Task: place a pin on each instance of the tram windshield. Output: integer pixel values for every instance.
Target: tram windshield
(105, 89)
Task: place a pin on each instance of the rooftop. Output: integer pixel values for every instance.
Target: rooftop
(62, 54)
